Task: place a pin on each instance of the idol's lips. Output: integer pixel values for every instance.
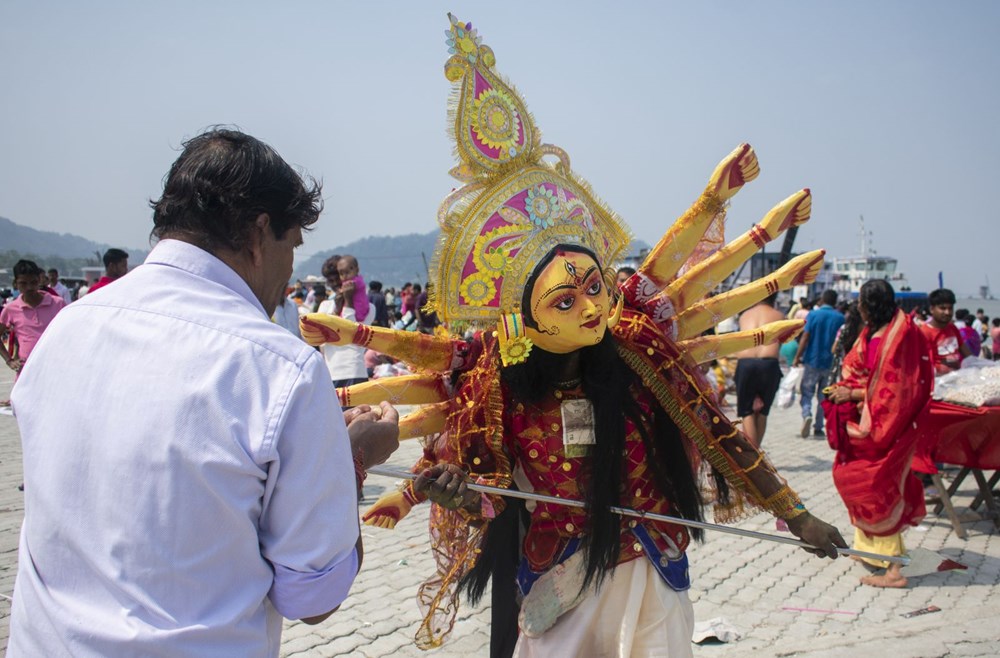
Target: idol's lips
(592, 324)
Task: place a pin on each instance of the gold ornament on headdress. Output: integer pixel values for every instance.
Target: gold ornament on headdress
(514, 207)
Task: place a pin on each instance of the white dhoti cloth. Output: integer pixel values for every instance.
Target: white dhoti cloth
(633, 614)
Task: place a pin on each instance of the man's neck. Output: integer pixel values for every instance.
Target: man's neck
(939, 325)
(33, 298)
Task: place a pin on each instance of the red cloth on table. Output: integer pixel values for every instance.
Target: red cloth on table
(953, 434)
(877, 442)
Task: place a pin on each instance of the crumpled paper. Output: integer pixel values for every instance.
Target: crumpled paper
(718, 629)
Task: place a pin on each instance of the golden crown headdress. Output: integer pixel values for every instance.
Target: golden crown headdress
(514, 207)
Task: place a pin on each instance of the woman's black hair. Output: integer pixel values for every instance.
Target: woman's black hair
(853, 324)
(879, 301)
(609, 384)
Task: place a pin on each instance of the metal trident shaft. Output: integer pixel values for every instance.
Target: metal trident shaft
(542, 498)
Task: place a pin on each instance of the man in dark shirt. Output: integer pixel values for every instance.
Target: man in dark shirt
(377, 299)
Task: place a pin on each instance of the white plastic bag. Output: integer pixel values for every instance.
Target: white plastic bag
(789, 384)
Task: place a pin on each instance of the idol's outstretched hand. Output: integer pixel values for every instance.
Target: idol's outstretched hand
(387, 510)
(820, 534)
(736, 170)
(320, 328)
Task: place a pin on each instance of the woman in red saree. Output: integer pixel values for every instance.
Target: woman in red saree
(887, 379)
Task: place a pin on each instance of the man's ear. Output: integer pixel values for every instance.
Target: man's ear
(255, 241)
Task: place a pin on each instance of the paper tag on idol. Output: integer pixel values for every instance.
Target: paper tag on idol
(578, 427)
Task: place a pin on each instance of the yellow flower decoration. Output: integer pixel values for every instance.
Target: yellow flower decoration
(479, 289)
(495, 121)
(493, 259)
(515, 350)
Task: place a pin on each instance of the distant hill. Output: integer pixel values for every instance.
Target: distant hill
(393, 260)
(25, 240)
(390, 259)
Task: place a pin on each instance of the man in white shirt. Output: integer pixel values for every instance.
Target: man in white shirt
(58, 286)
(195, 484)
(345, 363)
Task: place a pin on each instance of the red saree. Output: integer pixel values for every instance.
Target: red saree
(872, 468)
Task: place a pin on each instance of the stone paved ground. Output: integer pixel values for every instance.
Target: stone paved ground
(748, 584)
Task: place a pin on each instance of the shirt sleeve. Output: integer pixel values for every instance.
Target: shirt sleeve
(309, 523)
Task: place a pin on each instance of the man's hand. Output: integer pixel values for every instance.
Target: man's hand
(374, 431)
(445, 484)
(823, 536)
(15, 364)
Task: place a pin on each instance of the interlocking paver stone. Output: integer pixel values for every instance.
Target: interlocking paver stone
(746, 583)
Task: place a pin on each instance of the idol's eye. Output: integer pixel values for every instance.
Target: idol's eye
(564, 303)
(594, 288)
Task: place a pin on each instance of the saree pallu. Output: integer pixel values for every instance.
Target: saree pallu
(872, 468)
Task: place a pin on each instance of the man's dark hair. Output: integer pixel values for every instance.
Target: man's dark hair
(829, 297)
(26, 268)
(770, 300)
(416, 288)
(114, 256)
(979, 311)
(329, 269)
(222, 181)
(375, 286)
(626, 269)
(962, 314)
(941, 296)
(53, 270)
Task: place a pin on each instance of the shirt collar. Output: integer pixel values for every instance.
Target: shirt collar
(195, 260)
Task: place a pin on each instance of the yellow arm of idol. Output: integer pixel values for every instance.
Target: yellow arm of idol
(670, 253)
(706, 348)
(428, 419)
(417, 349)
(699, 317)
(424, 388)
(700, 279)
(392, 506)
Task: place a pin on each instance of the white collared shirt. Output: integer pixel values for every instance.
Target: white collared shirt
(194, 484)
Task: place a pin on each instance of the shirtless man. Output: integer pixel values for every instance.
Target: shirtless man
(757, 372)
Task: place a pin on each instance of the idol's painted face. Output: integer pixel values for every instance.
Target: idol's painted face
(569, 303)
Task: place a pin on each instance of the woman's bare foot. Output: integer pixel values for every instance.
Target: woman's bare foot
(884, 581)
(892, 577)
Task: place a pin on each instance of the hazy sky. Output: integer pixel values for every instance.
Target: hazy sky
(884, 109)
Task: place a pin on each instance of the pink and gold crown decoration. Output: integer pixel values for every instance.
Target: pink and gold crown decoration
(514, 205)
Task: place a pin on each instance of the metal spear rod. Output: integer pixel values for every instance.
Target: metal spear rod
(387, 471)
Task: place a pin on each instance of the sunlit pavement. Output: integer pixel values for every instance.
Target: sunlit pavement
(783, 601)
